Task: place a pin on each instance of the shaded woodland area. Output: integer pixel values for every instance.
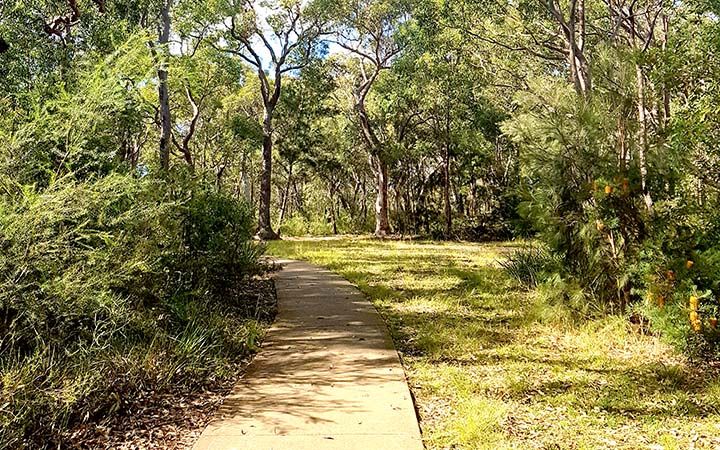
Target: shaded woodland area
(147, 146)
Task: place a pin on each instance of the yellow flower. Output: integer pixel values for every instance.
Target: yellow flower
(697, 325)
(694, 302)
(689, 264)
(608, 189)
(694, 316)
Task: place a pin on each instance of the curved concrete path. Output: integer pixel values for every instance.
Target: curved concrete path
(327, 376)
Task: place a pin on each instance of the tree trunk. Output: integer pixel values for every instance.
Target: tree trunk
(265, 231)
(163, 92)
(219, 177)
(644, 145)
(333, 212)
(382, 224)
(286, 194)
(364, 203)
(446, 180)
(665, 90)
(245, 182)
(573, 30)
(584, 75)
(379, 165)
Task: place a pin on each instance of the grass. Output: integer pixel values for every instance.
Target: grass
(488, 373)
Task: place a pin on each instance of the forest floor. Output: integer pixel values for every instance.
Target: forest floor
(172, 416)
(488, 369)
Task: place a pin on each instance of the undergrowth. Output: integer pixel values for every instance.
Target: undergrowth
(113, 286)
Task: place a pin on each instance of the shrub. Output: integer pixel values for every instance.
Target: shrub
(681, 301)
(531, 265)
(299, 225)
(114, 285)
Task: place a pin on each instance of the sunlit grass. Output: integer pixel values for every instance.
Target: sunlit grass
(488, 374)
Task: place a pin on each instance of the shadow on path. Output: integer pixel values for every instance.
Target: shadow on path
(327, 376)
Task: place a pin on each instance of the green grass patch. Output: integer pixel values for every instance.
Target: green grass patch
(491, 369)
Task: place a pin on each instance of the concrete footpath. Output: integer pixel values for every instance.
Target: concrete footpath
(327, 376)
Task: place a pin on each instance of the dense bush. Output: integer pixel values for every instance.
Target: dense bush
(113, 285)
(678, 276)
(631, 237)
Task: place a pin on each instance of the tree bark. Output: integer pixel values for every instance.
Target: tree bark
(292, 37)
(644, 144)
(379, 165)
(163, 91)
(382, 223)
(286, 194)
(333, 212)
(446, 179)
(265, 231)
(573, 30)
(665, 89)
(185, 146)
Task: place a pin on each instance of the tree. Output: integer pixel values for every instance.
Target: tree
(368, 31)
(163, 88)
(289, 33)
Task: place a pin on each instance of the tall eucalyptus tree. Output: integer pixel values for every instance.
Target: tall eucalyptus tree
(275, 38)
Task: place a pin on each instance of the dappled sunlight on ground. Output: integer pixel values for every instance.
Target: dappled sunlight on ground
(487, 374)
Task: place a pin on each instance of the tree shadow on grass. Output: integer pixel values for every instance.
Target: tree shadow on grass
(487, 322)
(652, 389)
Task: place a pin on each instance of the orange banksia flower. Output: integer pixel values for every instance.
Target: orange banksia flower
(608, 189)
(694, 302)
(689, 264)
(697, 325)
(695, 320)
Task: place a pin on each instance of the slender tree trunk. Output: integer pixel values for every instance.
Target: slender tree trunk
(219, 177)
(584, 73)
(400, 222)
(379, 165)
(333, 213)
(163, 91)
(665, 90)
(246, 183)
(382, 223)
(644, 144)
(446, 179)
(286, 194)
(185, 146)
(622, 144)
(364, 203)
(573, 29)
(265, 231)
